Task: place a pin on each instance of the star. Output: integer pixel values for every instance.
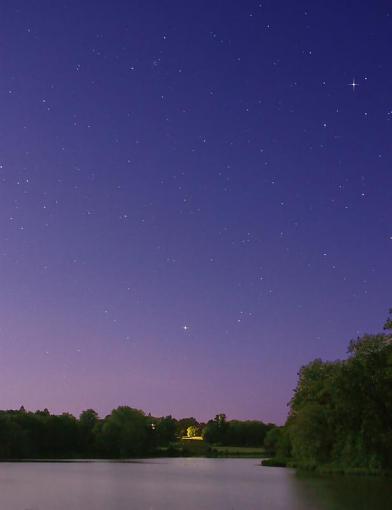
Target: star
(353, 84)
(185, 328)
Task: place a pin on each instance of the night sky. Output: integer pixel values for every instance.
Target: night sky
(195, 199)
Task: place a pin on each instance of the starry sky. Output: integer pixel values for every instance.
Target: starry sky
(195, 199)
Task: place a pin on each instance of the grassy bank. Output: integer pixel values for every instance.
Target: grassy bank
(200, 448)
(238, 452)
(274, 462)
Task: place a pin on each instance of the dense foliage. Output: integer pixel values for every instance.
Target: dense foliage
(235, 432)
(341, 412)
(125, 432)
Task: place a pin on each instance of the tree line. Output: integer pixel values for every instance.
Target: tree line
(249, 433)
(340, 417)
(341, 412)
(125, 432)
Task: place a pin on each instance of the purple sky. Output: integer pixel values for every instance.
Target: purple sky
(194, 201)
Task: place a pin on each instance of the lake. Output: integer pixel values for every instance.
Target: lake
(174, 484)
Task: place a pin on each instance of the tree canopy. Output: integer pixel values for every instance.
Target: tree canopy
(341, 411)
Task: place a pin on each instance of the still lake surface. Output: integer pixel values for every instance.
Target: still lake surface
(186, 484)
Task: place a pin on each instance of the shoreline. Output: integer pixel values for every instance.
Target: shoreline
(327, 470)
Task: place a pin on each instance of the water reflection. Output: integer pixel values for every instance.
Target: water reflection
(345, 492)
(171, 484)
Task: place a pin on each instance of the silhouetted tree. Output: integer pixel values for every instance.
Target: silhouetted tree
(88, 426)
(341, 412)
(124, 433)
(165, 430)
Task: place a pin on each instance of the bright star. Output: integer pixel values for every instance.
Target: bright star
(353, 84)
(185, 328)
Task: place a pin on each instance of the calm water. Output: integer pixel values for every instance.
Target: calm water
(186, 484)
